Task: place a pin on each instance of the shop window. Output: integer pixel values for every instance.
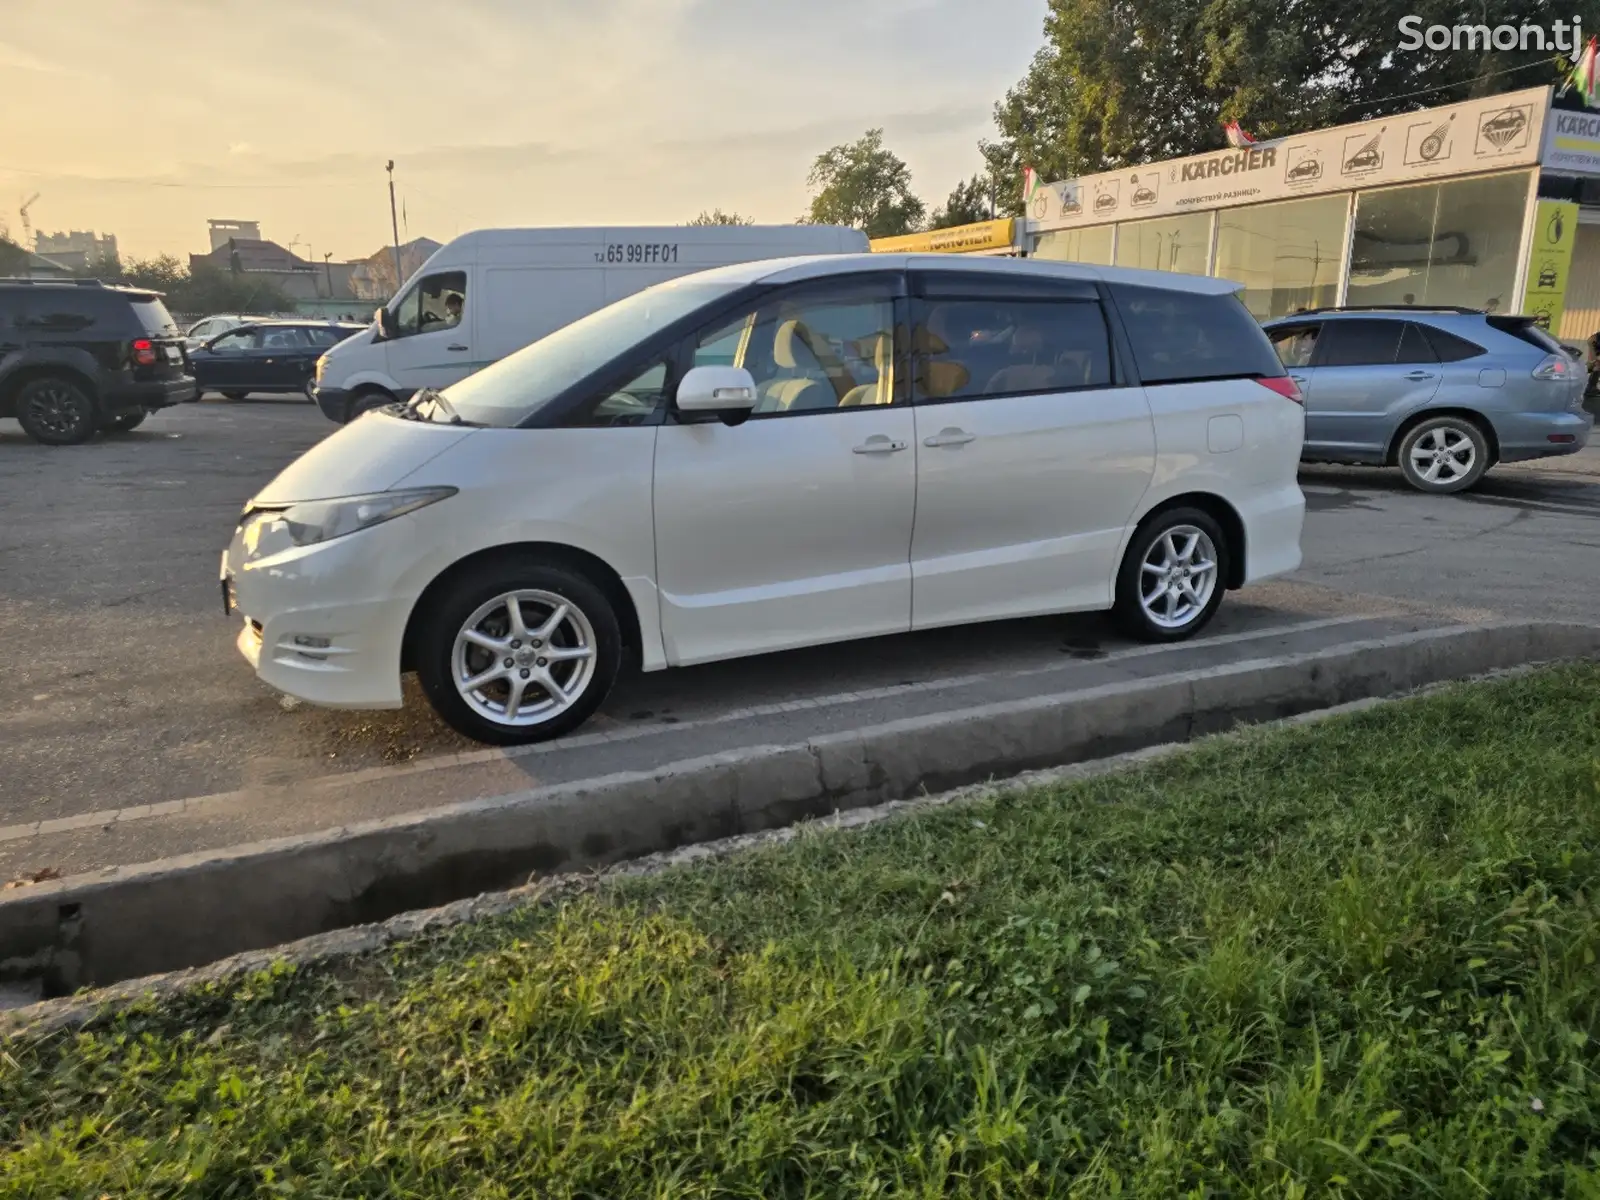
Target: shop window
(1091, 245)
(1166, 244)
(1452, 243)
(1288, 256)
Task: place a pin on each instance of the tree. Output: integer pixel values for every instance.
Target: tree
(717, 217)
(862, 185)
(1123, 82)
(967, 205)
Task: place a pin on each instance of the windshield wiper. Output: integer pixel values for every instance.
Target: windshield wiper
(436, 398)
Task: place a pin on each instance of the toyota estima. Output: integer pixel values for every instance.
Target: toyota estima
(771, 455)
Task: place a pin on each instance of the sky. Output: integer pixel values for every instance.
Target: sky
(144, 118)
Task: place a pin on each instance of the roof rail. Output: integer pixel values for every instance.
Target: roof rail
(100, 283)
(1338, 308)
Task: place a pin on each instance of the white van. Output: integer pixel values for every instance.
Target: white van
(491, 292)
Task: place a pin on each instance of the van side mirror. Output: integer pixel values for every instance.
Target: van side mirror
(724, 391)
(385, 323)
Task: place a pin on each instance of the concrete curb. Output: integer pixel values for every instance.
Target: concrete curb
(129, 922)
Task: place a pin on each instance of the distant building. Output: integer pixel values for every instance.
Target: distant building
(76, 250)
(255, 254)
(314, 287)
(372, 278)
(221, 231)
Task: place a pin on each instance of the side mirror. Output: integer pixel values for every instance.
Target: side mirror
(385, 323)
(719, 390)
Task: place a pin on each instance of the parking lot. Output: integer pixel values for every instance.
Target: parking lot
(133, 729)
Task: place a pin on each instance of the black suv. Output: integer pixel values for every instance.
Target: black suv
(78, 357)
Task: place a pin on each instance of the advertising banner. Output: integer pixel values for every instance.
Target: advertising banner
(1555, 232)
(1494, 133)
(960, 239)
(1572, 143)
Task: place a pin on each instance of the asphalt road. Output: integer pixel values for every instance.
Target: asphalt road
(120, 687)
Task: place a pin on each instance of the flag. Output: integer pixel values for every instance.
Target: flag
(1030, 185)
(1583, 76)
(1237, 136)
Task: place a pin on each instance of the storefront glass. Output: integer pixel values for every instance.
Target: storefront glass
(1076, 245)
(1440, 243)
(1166, 244)
(1287, 255)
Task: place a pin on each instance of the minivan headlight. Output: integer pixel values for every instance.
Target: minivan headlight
(313, 521)
(322, 367)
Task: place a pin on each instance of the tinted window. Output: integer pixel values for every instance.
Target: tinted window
(1182, 336)
(154, 318)
(1414, 347)
(970, 349)
(812, 350)
(1525, 330)
(1359, 343)
(236, 342)
(1294, 343)
(286, 338)
(329, 336)
(1448, 346)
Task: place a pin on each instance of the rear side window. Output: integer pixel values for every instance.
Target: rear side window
(1182, 337)
(1525, 330)
(973, 349)
(1359, 343)
(154, 318)
(1448, 346)
(329, 337)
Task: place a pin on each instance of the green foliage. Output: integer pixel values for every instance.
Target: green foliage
(1355, 959)
(206, 289)
(1122, 82)
(967, 205)
(717, 217)
(864, 186)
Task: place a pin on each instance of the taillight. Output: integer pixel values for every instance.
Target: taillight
(1283, 385)
(1555, 366)
(144, 352)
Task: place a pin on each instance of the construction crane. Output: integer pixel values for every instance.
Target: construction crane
(27, 228)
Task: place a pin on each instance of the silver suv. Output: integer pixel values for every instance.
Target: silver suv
(1442, 393)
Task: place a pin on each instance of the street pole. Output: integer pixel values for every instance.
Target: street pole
(394, 223)
(327, 266)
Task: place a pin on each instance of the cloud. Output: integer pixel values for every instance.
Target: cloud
(14, 58)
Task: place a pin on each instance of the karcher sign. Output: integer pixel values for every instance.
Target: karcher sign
(961, 239)
(1491, 134)
(1572, 143)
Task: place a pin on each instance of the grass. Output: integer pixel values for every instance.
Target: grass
(1351, 959)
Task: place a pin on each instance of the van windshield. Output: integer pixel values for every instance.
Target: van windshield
(513, 389)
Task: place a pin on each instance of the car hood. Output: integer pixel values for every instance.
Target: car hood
(371, 454)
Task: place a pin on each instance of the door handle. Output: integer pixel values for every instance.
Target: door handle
(1298, 378)
(949, 437)
(878, 444)
(455, 347)
(1417, 376)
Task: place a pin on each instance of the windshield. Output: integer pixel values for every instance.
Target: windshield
(517, 386)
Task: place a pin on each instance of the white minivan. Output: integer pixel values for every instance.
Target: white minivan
(775, 455)
(491, 292)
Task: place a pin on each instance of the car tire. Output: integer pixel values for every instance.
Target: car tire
(124, 422)
(1443, 455)
(1173, 576)
(367, 399)
(468, 634)
(235, 394)
(56, 411)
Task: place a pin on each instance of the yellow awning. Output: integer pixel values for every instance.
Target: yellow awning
(961, 239)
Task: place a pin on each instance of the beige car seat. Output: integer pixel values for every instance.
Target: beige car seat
(792, 392)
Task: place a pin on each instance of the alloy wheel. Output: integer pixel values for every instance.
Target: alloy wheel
(1443, 455)
(524, 657)
(56, 408)
(1178, 576)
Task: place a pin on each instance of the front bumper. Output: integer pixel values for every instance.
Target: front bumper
(334, 403)
(321, 622)
(147, 397)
